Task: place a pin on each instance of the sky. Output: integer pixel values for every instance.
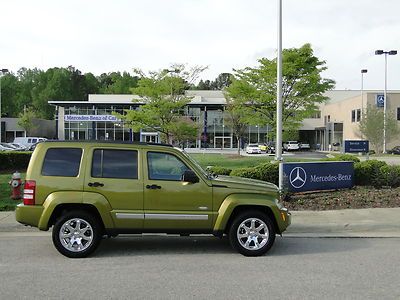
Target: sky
(102, 36)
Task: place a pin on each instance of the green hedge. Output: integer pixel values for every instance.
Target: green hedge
(370, 173)
(219, 170)
(344, 157)
(265, 171)
(13, 161)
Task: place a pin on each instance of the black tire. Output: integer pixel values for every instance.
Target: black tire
(94, 231)
(237, 243)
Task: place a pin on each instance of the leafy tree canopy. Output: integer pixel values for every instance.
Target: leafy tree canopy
(371, 126)
(162, 100)
(303, 88)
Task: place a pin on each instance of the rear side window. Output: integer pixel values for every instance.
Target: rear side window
(62, 162)
(115, 164)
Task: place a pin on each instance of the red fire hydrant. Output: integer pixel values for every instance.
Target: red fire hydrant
(15, 184)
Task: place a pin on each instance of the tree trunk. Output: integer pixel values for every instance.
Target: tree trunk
(238, 143)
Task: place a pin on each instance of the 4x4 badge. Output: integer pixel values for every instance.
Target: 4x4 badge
(298, 177)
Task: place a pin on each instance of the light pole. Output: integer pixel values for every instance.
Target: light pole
(363, 71)
(2, 71)
(278, 144)
(380, 52)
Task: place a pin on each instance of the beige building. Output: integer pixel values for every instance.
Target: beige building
(336, 121)
(339, 117)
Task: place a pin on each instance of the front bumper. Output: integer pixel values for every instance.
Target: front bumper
(285, 219)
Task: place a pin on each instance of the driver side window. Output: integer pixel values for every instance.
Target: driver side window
(165, 166)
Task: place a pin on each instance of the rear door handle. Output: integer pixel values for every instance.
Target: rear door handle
(153, 187)
(95, 184)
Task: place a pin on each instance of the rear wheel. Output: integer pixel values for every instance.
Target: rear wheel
(252, 233)
(76, 234)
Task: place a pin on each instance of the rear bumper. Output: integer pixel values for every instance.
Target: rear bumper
(29, 214)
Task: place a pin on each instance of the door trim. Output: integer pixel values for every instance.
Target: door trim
(175, 217)
(129, 216)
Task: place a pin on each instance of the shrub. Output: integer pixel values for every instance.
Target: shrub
(11, 161)
(345, 157)
(219, 170)
(268, 172)
(369, 173)
(390, 176)
(252, 173)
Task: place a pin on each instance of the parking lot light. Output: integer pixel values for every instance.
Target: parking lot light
(386, 53)
(2, 71)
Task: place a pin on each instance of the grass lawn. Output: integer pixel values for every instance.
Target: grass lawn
(6, 203)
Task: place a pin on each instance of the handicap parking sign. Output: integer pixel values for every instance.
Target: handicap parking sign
(380, 100)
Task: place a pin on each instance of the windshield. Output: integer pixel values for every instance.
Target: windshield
(193, 161)
(253, 145)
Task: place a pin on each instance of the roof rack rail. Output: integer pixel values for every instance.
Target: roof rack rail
(111, 142)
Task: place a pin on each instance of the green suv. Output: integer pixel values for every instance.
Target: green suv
(87, 190)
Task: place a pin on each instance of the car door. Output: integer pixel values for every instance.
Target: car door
(171, 204)
(115, 175)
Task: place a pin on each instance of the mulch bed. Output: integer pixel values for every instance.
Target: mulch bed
(357, 197)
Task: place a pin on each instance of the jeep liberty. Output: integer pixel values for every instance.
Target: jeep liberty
(89, 189)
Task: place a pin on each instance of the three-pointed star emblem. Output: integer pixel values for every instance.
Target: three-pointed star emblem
(298, 177)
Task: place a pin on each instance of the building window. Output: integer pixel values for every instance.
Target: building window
(356, 115)
(398, 114)
(327, 119)
(316, 115)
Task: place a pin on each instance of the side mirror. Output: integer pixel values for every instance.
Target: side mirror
(190, 176)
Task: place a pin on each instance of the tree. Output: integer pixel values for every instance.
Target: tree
(371, 126)
(26, 120)
(222, 81)
(184, 130)
(163, 94)
(115, 83)
(236, 119)
(303, 88)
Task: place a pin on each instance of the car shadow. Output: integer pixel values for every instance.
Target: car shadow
(166, 245)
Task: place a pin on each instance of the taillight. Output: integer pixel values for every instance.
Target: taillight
(29, 192)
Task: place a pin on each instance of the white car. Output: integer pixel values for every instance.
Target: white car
(305, 146)
(3, 147)
(291, 145)
(253, 149)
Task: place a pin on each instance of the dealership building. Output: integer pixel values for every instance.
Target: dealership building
(337, 119)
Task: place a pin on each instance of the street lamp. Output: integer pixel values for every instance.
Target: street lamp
(278, 144)
(380, 52)
(2, 71)
(363, 71)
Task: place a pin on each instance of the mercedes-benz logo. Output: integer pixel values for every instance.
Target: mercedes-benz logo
(297, 177)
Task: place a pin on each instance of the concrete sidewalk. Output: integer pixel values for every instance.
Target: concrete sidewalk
(371, 222)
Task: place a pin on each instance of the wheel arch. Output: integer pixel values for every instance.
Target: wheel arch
(61, 209)
(243, 208)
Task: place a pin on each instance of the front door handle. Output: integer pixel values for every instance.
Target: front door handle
(153, 187)
(95, 184)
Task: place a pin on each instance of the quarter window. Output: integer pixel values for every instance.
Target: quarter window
(115, 164)
(165, 166)
(62, 162)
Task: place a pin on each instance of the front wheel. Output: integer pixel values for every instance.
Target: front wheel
(252, 233)
(76, 234)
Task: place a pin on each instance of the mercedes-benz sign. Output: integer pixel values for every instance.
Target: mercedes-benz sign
(301, 177)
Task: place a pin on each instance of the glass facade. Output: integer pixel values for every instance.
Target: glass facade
(96, 130)
(88, 123)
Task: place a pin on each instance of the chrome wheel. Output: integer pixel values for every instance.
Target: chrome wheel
(253, 234)
(76, 235)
